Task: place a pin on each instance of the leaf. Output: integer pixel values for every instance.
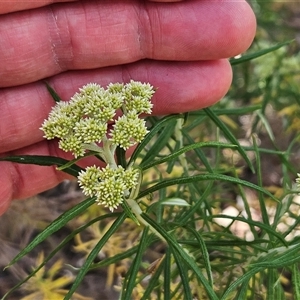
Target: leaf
(183, 274)
(189, 214)
(184, 256)
(75, 160)
(242, 293)
(173, 201)
(279, 257)
(184, 150)
(228, 134)
(261, 225)
(52, 92)
(263, 209)
(202, 177)
(244, 279)
(296, 280)
(156, 128)
(229, 111)
(121, 159)
(167, 274)
(155, 283)
(131, 276)
(114, 259)
(205, 254)
(276, 258)
(93, 254)
(247, 57)
(42, 160)
(199, 153)
(161, 141)
(129, 213)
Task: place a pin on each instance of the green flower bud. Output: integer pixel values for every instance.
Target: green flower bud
(82, 123)
(128, 130)
(89, 130)
(72, 144)
(110, 186)
(89, 179)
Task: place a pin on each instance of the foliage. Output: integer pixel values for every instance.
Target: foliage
(218, 193)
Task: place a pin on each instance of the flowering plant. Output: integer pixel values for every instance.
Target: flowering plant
(83, 122)
(173, 188)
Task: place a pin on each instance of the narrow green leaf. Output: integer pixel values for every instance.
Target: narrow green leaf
(131, 276)
(114, 259)
(296, 280)
(185, 217)
(220, 241)
(183, 275)
(285, 259)
(262, 202)
(52, 92)
(167, 275)
(250, 56)
(276, 258)
(121, 159)
(244, 279)
(42, 160)
(229, 136)
(266, 124)
(242, 293)
(154, 282)
(93, 254)
(54, 226)
(69, 163)
(161, 141)
(129, 213)
(157, 127)
(244, 110)
(271, 279)
(203, 177)
(261, 225)
(205, 254)
(173, 202)
(198, 152)
(184, 256)
(184, 150)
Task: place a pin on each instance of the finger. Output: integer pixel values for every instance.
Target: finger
(181, 87)
(19, 181)
(7, 6)
(91, 34)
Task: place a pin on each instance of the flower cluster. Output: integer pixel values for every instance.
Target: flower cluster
(82, 124)
(83, 120)
(110, 186)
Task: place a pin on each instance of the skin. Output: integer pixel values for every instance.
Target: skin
(180, 47)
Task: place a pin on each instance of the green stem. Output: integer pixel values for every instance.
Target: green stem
(137, 211)
(109, 154)
(179, 138)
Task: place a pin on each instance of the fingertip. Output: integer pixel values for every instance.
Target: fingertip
(190, 86)
(244, 28)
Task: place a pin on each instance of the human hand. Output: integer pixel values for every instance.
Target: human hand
(179, 48)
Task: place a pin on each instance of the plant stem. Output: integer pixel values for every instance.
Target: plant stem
(137, 211)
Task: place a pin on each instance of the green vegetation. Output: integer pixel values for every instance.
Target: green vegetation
(218, 191)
